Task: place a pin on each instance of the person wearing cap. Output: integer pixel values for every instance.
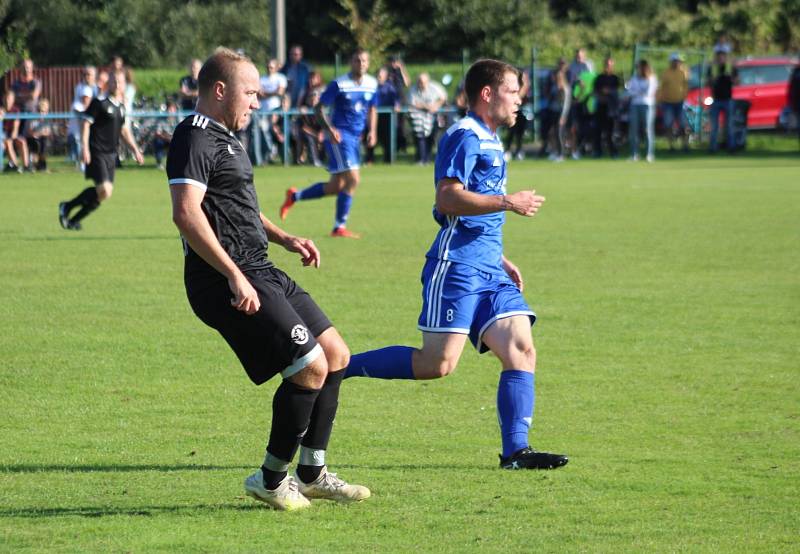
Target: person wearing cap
(672, 91)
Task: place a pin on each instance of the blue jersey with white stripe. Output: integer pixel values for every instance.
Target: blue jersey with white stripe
(351, 101)
(471, 153)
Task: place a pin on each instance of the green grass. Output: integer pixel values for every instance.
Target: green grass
(669, 305)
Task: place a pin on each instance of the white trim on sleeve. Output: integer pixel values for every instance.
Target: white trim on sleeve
(187, 181)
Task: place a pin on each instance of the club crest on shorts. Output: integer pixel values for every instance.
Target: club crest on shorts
(299, 334)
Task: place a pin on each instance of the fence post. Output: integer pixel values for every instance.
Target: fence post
(286, 139)
(535, 92)
(392, 136)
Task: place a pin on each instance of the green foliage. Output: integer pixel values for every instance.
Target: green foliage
(375, 34)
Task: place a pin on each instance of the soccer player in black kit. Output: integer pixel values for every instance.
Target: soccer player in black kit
(272, 324)
(101, 129)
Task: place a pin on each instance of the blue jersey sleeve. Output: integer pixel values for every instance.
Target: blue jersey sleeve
(329, 94)
(457, 157)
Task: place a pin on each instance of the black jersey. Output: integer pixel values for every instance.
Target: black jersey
(107, 117)
(205, 154)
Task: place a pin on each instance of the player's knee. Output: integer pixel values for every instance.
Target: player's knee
(436, 368)
(338, 356)
(313, 375)
(104, 191)
(522, 356)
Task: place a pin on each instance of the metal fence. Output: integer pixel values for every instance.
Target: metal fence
(144, 124)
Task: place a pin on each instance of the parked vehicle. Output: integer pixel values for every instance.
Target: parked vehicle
(763, 82)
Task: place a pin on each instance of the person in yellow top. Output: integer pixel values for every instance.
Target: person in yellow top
(672, 91)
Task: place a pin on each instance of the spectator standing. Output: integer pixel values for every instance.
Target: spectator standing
(580, 65)
(582, 110)
(85, 90)
(516, 133)
(673, 87)
(297, 73)
(722, 93)
(102, 83)
(398, 76)
(558, 106)
(12, 136)
(27, 88)
(549, 117)
(424, 100)
(606, 93)
(388, 97)
(642, 88)
(189, 86)
(39, 134)
(794, 96)
(272, 93)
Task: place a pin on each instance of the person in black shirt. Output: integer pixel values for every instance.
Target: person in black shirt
(606, 92)
(272, 324)
(794, 96)
(722, 93)
(101, 128)
(188, 92)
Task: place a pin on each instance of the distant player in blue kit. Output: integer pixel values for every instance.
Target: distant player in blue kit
(469, 288)
(353, 98)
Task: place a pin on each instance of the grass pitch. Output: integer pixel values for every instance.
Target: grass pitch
(669, 306)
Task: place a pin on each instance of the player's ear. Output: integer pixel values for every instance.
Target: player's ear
(219, 91)
(486, 93)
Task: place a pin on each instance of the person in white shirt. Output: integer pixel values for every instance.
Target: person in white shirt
(642, 89)
(272, 96)
(85, 90)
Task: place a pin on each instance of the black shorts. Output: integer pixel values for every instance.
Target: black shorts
(279, 337)
(101, 168)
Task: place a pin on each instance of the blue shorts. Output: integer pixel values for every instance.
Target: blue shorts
(343, 156)
(458, 298)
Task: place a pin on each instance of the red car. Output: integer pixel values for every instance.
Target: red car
(764, 82)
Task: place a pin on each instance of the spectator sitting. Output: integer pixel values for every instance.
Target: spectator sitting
(189, 86)
(27, 88)
(163, 133)
(39, 134)
(424, 100)
(307, 132)
(13, 140)
(312, 133)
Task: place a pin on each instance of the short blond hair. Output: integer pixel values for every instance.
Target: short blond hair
(220, 66)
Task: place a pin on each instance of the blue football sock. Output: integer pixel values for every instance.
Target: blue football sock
(343, 203)
(515, 398)
(317, 190)
(392, 362)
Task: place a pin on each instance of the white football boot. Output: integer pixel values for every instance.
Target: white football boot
(328, 486)
(285, 497)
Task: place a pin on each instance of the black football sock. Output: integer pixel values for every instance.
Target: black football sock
(292, 406)
(315, 442)
(86, 196)
(90, 202)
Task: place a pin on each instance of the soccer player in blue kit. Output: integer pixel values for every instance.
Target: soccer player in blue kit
(469, 288)
(353, 98)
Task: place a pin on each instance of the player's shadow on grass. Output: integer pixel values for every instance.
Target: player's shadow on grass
(144, 511)
(111, 468)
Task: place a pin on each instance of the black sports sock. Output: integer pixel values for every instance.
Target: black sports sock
(307, 474)
(321, 422)
(272, 478)
(90, 204)
(291, 411)
(86, 197)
